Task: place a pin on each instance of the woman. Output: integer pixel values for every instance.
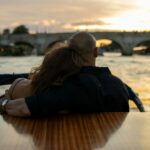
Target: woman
(58, 64)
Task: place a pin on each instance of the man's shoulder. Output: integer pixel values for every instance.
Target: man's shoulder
(95, 70)
(88, 75)
(94, 78)
(90, 72)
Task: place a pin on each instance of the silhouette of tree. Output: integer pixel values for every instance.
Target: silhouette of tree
(6, 31)
(21, 29)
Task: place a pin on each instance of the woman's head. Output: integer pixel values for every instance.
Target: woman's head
(58, 64)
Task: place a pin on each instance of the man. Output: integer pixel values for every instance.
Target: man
(93, 89)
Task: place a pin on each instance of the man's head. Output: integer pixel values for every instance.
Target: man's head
(85, 44)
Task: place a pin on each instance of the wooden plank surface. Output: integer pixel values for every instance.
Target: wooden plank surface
(108, 131)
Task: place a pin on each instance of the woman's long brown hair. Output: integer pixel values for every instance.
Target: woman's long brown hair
(58, 64)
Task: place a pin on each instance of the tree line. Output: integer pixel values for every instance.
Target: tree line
(20, 49)
(21, 29)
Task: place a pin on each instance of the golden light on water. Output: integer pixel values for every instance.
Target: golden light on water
(140, 48)
(103, 42)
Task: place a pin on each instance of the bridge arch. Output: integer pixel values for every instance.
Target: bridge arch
(142, 47)
(52, 44)
(23, 47)
(124, 39)
(109, 45)
(24, 43)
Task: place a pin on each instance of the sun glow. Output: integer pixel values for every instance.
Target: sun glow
(137, 20)
(133, 20)
(143, 3)
(103, 42)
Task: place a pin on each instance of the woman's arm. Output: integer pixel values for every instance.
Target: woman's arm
(17, 108)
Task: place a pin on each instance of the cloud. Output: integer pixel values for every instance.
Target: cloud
(61, 14)
(63, 10)
(89, 23)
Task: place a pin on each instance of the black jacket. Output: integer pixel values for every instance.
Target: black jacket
(93, 89)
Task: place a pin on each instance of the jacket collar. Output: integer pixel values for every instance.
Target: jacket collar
(95, 70)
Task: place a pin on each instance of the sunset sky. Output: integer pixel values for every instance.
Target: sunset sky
(71, 15)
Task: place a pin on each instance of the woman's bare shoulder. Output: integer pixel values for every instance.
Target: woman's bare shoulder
(22, 81)
(20, 87)
(17, 82)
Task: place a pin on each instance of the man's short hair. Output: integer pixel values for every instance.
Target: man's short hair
(84, 42)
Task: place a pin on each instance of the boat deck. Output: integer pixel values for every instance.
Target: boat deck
(108, 131)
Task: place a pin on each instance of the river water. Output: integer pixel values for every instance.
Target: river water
(135, 71)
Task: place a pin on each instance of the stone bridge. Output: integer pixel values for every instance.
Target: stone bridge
(127, 40)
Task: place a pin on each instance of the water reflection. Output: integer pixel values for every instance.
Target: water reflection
(69, 131)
